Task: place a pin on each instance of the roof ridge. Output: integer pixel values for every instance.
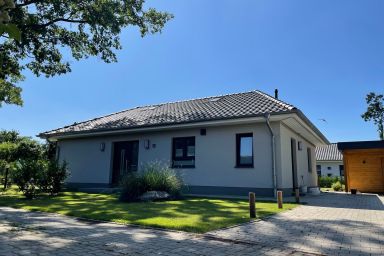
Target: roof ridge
(278, 101)
(202, 98)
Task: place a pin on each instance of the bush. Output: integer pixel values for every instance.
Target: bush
(154, 177)
(34, 176)
(53, 177)
(326, 182)
(27, 174)
(337, 186)
(132, 187)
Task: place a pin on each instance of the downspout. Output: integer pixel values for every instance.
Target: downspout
(274, 177)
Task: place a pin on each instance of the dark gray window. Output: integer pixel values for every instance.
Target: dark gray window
(244, 150)
(318, 170)
(183, 152)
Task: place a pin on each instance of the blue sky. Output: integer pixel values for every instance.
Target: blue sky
(323, 56)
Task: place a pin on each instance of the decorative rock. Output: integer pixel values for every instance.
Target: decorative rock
(154, 195)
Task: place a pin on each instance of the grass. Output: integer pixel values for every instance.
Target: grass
(191, 214)
(326, 189)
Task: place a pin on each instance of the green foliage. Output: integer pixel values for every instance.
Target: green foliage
(35, 176)
(10, 136)
(154, 177)
(375, 111)
(86, 28)
(14, 147)
(326, 182)
(131, 187)
(27, 175)
(53, 177)
(337, 186)
(12, 30)
(160, 177)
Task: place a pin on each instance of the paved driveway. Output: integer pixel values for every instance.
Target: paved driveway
(330, 224)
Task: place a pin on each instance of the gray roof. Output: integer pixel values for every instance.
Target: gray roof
(238, 105)
(328, 153)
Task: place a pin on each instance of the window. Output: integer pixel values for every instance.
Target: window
(309, 157)
(341, 168)
(244, 150)
(318, 169)
(183, 152)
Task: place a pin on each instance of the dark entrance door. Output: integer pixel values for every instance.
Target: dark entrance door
(294, 164)
(125, 159)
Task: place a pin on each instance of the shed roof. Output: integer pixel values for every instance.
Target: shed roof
(328, 153)
(372, 144)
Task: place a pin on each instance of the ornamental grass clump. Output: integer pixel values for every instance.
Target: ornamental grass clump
(154, 176)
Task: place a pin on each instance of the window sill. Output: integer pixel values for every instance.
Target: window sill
(244, 167)
(183, 167)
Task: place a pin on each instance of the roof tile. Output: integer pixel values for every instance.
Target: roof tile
(253, 103)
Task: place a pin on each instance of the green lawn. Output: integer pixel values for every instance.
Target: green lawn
(326, 189)
(191, 214)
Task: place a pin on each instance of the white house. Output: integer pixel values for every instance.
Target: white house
(329, 161)
(228, 145)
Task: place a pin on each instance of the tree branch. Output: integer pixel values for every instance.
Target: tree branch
(27, 3)
(56, 20)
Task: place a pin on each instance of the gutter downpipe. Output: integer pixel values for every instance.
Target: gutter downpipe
(274, 177)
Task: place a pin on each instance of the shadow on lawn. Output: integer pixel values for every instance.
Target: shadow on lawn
(192, 214)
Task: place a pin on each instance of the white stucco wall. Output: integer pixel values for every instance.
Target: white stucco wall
(215, 156)
(334, 165)
(285, 160)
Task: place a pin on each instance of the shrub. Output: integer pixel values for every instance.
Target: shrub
(34, 176)
(326, 182)
(159, 177)
(26, 175)
(53, 177)
(337, 186)
(132, 187)
(154, 177)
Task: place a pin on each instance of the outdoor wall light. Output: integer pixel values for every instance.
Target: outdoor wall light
(102, 146)
(146, 144)
(300, 145)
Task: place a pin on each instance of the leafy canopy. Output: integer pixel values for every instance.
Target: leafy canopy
(84, 27)
(375, 111)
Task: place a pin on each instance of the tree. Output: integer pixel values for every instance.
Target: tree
(50, 27)
(5, 27)
(375, 111)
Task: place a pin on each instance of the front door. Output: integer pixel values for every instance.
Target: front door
(125, 159)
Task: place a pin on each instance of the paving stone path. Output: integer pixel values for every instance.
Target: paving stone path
(331, 224)
(328, 225)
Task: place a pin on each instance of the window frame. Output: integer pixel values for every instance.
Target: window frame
(309, 159)
(239, 136)
(185, 156)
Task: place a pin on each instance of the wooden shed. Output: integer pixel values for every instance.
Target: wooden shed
(363, 165)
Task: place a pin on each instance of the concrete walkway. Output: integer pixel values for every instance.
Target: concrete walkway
(331, 224)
